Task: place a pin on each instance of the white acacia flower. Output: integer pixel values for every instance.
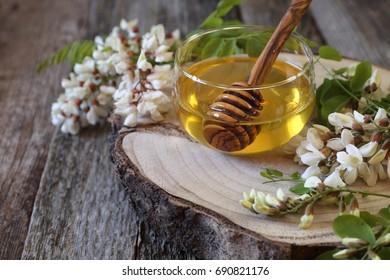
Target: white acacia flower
(162, 54)
(312, 170)
(131, 27)
(71, 126)
(142, 62)
(313, 157)
(57, 118)
(372, 178)
(334, 180)
(86, 67)
(388, 167)
(306, 221)
(95, 113)
(161, 77)
(158, 31)
(314, 138)
(154, 103)
(378, 157)
(312, 182)
(338, 144)
(340, 120)
(351, 158)
(280, 194)
(368, 149)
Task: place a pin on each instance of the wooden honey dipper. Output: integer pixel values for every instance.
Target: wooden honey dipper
(237, 105)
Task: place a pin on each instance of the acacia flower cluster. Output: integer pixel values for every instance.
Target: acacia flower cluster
(127, 70)
(359, 146)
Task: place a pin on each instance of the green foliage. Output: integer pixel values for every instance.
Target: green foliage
(327, 52)
(215, 19)
(362, 74)
(299, 189)
(371, 232)
(353, 227)
(342, 90)
(74, 53)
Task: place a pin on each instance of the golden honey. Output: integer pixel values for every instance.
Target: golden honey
(287, 92)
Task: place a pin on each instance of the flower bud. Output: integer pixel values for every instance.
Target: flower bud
(376, 137)
(383, 241)
(272, 201)
(307, 218)
(384, 122)
(344, 254)
(386, 145)
(374, 256)
(247, 205)
(353, 242)
(378, 157)
(354, 207)
(265, 210)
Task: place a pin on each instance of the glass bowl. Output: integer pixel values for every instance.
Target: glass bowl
(218, 109)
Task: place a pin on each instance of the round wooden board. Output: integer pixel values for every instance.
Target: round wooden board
(183, 172)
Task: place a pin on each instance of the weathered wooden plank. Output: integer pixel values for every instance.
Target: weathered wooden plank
(30, 30)
(358, 28)
(268, 13)
(79, 212)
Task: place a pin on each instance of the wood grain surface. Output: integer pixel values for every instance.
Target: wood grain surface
(82, 213)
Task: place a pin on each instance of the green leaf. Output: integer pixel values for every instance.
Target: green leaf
(254, 46)
(215, 18)
(385, 212)
(265, 174)
(334, 104)
(299, 189)
(211, 48)
(275, 172)
(211, 22)
(352, 226)
(74, 53)
(228, 47)
(373, 220)
(296, 176)
(333, 90)
(322, 90)
(327, 255)
(340, 70)
(362, 74)
(384, 253)
(330, 53)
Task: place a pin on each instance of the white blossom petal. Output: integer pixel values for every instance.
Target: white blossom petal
(335, 144)
(312, 170)
(312, 182)
(334, 180)
(378, 157)
(314, 138)
(350, 176)
(341, 120)
(369, 149)
(358, 117)
(142, 63)
(380, 114)
(372, 177)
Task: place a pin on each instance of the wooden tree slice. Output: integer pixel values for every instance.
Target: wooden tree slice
(187, 196)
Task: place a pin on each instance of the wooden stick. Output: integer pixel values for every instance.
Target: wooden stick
(271, 51)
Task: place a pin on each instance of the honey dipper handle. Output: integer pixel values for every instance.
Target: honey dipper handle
(271, 51)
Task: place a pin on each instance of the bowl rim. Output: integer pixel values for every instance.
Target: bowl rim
(307, 50)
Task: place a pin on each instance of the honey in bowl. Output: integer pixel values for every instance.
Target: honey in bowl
(287, 97)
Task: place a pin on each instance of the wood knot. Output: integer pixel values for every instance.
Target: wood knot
(229, 108)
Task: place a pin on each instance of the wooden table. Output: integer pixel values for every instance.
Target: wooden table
(58, 194)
